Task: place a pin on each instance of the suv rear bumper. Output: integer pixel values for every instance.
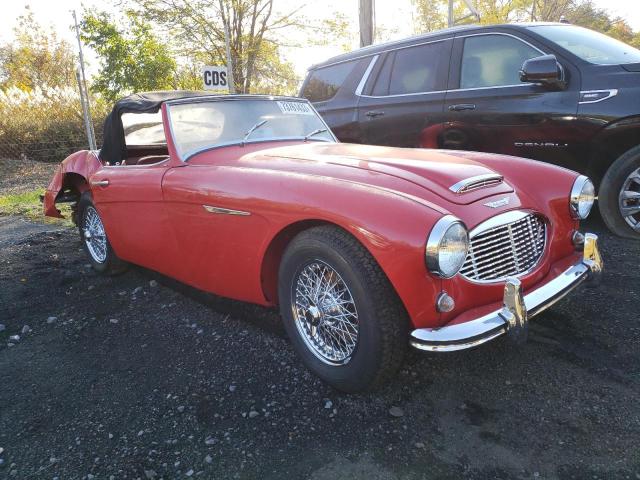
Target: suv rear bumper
(517, 308)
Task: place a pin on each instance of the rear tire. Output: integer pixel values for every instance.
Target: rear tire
(349, 327)
(94, 239)
(620, 188)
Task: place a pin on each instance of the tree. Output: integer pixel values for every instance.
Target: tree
(36, 58)
(197, 27)
(132, 58)
(432, 14)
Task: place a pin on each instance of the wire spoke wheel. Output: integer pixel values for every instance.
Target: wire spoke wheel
(94, 235)
(325, 313)
(629, 200)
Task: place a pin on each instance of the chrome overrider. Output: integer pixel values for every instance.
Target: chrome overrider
(517, 308)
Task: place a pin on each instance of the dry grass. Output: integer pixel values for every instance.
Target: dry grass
(21, 184)
(22, 176)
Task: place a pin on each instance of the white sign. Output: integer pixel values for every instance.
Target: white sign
(296, 108)
(215, 78)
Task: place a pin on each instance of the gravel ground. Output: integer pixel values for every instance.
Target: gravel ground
(140, 377)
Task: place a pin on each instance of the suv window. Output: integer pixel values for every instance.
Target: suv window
(414, 69)
(591, 46)
(493, 60)
(324, 82)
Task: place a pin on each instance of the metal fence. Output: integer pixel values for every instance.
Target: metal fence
(45, 125)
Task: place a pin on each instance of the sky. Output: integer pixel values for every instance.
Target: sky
(392, 16)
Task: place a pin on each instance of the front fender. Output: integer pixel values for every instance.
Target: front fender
(73, 171)
(392, 226)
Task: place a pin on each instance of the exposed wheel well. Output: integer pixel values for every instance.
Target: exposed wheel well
(274, 252)
(609, 149)
(73, 186)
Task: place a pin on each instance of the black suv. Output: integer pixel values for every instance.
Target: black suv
(553, 92)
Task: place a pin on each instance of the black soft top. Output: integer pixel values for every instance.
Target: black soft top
(113, 145)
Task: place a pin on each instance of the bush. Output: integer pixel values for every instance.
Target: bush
(45, 125)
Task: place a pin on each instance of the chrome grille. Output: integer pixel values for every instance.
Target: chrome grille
(501, 250)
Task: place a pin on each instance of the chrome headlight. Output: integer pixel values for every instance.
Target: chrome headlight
(583, 194)
(447, 247)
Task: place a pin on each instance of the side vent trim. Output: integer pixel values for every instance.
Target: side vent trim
(474, 183)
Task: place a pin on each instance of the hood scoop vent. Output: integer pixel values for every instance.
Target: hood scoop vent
(477, 182)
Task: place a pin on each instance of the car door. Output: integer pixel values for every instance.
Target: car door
(129, 197)
(401, 103)
(129, 200)
(489, 109)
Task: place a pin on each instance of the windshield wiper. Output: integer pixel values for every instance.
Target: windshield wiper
(252, 129)
(315, 132)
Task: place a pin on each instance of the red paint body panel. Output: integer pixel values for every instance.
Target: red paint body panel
(388, 198)
(83, 164)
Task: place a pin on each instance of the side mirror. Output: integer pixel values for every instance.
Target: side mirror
(544, 70)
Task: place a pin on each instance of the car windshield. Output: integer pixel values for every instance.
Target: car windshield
(201, 125)
(590, 46)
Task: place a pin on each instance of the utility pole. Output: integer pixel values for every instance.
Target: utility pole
(232, 85)
(84, 95)
(366, 14)
(473, 12)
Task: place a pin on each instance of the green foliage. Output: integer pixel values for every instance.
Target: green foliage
(432, 15)
(132, 58)
(36, 58)
(28, 205)
(255, 32)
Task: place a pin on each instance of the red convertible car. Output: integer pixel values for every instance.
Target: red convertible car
(366, 250)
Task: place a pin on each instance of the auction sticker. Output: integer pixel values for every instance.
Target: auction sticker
(296, 108)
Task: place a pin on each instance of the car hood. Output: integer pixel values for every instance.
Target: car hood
(432, 170)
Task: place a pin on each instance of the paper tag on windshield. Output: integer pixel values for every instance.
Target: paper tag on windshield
(296, 108)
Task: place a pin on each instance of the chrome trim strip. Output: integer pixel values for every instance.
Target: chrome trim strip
(481, 330)
(225, 211)
(527, 84)
(610, 93)
(365, 77)
(469, 182)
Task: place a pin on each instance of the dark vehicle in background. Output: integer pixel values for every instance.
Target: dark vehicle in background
(547, 91)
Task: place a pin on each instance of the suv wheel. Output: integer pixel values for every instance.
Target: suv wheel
(619, 197)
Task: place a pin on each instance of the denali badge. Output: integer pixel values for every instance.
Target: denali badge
(498, 203)
(541, 144)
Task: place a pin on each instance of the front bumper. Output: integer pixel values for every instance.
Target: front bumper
(517, 308)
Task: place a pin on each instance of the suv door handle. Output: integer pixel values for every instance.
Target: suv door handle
(374, 113)
(462, 106)
(100, 183)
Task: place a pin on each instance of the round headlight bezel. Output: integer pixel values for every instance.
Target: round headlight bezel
(576, 197)
(434, 242)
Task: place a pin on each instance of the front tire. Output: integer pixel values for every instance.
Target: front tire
(619, 196)
(94, 239)
(340, 311)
